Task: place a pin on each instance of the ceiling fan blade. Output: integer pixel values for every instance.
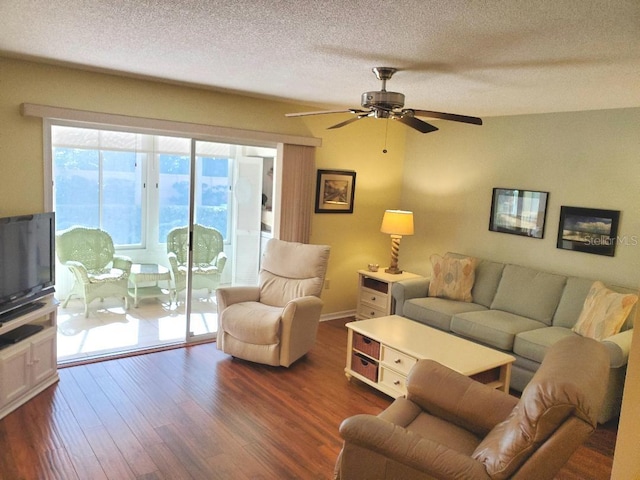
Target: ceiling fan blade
(446, 116)
(347, 122)
(416, 123)
(323, 112)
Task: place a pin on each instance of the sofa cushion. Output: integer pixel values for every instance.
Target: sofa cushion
(529, 293)
(604, 312)
(436, 312)
(493, 327)
(534, 343)
(572, 301)
(452, 278)
(488, 275)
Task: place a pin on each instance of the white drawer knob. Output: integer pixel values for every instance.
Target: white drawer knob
(397, 360)
(397, 382)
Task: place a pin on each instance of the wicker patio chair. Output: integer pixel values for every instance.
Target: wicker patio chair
(209, 258)
(98, 272)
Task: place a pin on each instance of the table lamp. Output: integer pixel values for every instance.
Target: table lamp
(396, 223)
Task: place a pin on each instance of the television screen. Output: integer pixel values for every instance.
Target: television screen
(27, 263)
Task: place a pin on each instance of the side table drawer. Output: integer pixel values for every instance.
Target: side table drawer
(367, 311)
(399, 361)
(373, 298)
(393, 380)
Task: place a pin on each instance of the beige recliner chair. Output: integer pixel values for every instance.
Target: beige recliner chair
(276, 322)
(451, 427)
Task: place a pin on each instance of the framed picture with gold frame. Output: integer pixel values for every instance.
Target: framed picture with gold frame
(335, 191)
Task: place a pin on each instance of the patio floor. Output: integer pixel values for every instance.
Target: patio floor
(111, 330)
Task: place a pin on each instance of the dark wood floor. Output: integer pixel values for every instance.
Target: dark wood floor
(194, 413)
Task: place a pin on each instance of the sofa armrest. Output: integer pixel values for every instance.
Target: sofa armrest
(619, 346)
(457, 398)
(406, 447)
(408, 289)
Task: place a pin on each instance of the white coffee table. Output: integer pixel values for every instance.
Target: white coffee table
(381, 351)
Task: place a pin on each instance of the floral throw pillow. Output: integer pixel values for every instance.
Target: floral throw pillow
(604, 312)
(452, 278)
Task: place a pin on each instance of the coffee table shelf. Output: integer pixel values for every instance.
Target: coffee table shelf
(381, 352)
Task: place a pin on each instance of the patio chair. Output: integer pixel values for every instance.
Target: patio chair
(98, 272)
(209, 258)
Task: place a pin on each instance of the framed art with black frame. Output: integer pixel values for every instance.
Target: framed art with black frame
(520, 212)
(588, 230)
(335, 191)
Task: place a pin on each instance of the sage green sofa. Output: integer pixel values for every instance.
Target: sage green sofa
(521, 311)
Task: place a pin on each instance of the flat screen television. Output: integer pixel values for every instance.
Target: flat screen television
(27, 261)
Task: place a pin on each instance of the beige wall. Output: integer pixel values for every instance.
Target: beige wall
(355, 239)
(585, 159)
(582, 159)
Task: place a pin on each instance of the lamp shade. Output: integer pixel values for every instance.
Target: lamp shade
(397, 222)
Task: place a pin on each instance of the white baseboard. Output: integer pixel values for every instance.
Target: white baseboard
(336, 315)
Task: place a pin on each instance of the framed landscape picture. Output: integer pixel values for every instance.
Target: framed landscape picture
(335, 191)
(588, 230)
(520, 212)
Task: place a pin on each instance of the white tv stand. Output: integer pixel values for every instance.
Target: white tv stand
(29, 366)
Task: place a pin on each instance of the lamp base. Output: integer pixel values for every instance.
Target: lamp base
(393, 270)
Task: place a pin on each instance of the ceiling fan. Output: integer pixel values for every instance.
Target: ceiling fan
(383, 104)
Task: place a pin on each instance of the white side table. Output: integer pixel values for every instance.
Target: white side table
(143, 274)
(374, 292)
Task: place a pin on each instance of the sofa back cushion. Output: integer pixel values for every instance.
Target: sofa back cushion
(529, 293)
(488, 275)
(572, 302)
(487, 278)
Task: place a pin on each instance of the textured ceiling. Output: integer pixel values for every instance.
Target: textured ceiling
(473, 57)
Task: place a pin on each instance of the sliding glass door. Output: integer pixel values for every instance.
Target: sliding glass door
(188, 213)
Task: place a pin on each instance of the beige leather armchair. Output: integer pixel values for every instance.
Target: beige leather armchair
(276, 322)
(451, 427)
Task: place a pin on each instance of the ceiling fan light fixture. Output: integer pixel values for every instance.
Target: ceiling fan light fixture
(382, 99)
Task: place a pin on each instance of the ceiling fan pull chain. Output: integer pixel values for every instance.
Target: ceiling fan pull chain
(386, 130)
